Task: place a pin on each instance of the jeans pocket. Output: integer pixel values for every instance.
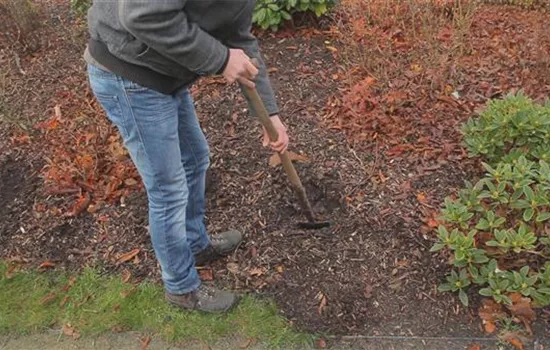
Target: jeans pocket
(111, 106)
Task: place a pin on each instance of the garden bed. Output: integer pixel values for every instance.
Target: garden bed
(380, 185)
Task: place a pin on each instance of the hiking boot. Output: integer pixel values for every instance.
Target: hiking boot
(206, 299)
(220, 245)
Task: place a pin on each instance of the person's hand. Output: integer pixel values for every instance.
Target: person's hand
(282, 142)
(240, 68)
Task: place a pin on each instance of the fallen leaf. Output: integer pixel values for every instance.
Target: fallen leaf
(46, 264)
(474, 347)
(256, 271)
(48, 298)
(490, 327)
(69, 284)
(130, 182)
(383, 178)
(145, 341)
(10, 272)
(126, 275)
(116, 329)
(128, 256)
(275, 160)
(69, 331)
(279, 268)
(416, 68)
(510, 338)
(421, 197)
(322, 304)
(433, 223)
(522, 308)
(116, 307)
(206, 275)
(332, 48)
(321, 343)
(81, 205)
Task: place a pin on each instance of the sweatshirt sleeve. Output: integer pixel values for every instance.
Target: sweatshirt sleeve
(163, 26)
(247, 42)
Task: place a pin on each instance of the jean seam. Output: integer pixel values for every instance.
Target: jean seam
(198, 167)
(157, 183)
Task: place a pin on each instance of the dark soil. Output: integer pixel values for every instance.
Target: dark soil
(369, 273)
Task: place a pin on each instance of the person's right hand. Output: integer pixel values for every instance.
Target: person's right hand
(240, 68)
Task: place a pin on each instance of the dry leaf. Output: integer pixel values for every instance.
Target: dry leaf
(10, 272)
(69, 331)
(145, 341)
(46, 264)
(116, 307)
(279, 268)
(321, 343)
(81, 205)
(421, 197)
(489, 326)
(128, 256)
(116, 329)
(206, 275)
(474, 347)
(48, 298)
(514, 341)
(322, 304)
(130, 182)
(521, 307)
(433, 223)
(275, 160)
(69, 284)
(491, 311)
(256, 271)
(126, 275)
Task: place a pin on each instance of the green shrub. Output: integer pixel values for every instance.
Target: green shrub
(268, 14)
(497, 232)
(503, 218)
(271, 13)
(509, 128)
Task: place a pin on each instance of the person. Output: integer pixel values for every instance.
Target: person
(142, 57)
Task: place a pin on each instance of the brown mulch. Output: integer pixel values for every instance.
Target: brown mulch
(369, 273)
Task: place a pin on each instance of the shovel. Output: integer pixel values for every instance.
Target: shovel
(260, 109)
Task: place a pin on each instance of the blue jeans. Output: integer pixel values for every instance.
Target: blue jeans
(166, 144)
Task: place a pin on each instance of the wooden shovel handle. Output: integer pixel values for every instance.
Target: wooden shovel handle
(263, 115)
(261, 111)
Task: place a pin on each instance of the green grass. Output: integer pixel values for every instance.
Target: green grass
(96, 304)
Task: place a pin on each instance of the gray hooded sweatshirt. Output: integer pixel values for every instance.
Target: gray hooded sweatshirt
(168, 44)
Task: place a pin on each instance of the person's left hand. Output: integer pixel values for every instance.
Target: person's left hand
(282, 142)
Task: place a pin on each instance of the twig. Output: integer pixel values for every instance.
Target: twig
(18, 63)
